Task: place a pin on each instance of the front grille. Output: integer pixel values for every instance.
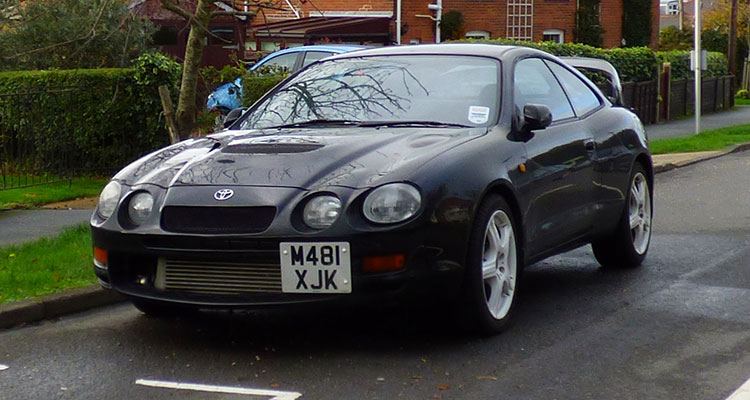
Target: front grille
(214, 277)
(185, 219)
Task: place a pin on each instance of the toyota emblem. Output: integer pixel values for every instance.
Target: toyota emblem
(223, 194)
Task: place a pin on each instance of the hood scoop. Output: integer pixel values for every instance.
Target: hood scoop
(268, 145)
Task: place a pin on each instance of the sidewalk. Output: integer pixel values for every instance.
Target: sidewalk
(739, 115)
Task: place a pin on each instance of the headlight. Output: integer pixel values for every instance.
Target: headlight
(108, 199)
(139, 207)
(392, 203)
(321, 211)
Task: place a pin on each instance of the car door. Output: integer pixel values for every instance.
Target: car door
(559, 188)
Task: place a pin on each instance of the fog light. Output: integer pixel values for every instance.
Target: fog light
(383, 263)
(100, 258)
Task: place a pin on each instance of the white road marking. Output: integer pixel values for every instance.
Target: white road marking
(3, 367)
(743, 393)
(274, 394)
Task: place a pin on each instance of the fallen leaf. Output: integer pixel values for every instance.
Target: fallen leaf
(56, 277)
(274, 385)
(444, 387)
(437, 396)
(416, 377)
(486, 378)
(11, 255)
(34, 260)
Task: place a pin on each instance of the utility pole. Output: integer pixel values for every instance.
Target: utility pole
(697, 57)
(732, 56)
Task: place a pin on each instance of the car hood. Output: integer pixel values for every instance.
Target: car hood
(300, 158)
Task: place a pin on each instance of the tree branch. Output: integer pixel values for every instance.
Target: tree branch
(234, 13)
(167, 5)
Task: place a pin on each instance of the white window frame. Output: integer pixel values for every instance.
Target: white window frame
(520, 20)
(559, 32)
(478, 35)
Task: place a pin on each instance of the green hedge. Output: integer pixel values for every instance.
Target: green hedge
(254, 86)
(81, 120)
(634, 64)
(680, 61)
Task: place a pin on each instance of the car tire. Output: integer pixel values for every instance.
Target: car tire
(494, 266)
(628, 245)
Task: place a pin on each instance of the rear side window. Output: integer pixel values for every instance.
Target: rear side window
(312, 56)
(533, 83)
(285, 61)
(584, 100)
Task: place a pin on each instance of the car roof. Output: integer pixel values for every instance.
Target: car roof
(333, 48)
(471, 49)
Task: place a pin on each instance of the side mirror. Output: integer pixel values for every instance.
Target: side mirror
(233, 116)
(536, 116)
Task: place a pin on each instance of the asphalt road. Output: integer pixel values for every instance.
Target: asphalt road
(676, 328)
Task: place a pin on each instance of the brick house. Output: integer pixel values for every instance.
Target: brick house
(534, 20)
(373, 22)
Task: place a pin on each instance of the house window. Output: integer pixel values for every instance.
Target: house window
(165, 36)
(673, 8)
(221, 36)
(554, 35)
(478, 35)
(520, 24)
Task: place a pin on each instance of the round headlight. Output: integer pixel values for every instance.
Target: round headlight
(108, 199)
(392, 203)
(321, 211)
(140, 207)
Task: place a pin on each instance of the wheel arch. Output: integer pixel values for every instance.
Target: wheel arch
(505, 190)
(645, 160)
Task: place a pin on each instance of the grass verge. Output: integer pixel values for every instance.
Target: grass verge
(741, 102)
(716, 139)
(44, 194)
(48, 265)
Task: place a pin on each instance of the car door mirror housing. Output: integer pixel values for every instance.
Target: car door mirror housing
(536, 116)
(233, 116)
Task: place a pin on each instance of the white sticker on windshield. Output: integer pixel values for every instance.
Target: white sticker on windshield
(479, 114)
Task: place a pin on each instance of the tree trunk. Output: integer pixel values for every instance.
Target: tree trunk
(186, 107)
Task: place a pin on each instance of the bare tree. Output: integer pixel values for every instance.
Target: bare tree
(199, 20)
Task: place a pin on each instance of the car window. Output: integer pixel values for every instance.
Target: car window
(534, 84)
(462, 90)
(312, 56)
(581, 96)
(285, 61)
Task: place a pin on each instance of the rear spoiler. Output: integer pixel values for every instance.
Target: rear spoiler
(599, 65)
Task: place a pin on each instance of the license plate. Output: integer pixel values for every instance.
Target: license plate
(315, 267)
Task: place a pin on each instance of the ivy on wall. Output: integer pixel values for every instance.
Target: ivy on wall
(588, 29)
(636, 22)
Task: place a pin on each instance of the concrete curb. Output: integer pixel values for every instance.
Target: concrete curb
(82, 299)
(55, 305)
(668, 166)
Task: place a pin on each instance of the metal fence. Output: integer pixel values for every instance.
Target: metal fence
(37, 146)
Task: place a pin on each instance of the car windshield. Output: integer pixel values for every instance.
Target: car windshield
(440, 91)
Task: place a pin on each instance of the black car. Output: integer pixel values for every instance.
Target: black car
(427, 171)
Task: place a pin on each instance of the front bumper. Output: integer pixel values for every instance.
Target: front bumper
(430, 270)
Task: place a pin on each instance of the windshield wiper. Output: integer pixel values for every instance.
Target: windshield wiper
(414, 123)
(316, 122)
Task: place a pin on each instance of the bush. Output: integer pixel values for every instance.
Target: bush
(81, 120)
(633, 64)
(680, 61)
(256, 83)
(742, 94)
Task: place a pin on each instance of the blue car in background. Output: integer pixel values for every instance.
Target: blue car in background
(228, 96)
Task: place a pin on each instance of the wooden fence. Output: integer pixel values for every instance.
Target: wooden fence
(654, 104)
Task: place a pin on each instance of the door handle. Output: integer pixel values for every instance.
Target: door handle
(589, 144)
